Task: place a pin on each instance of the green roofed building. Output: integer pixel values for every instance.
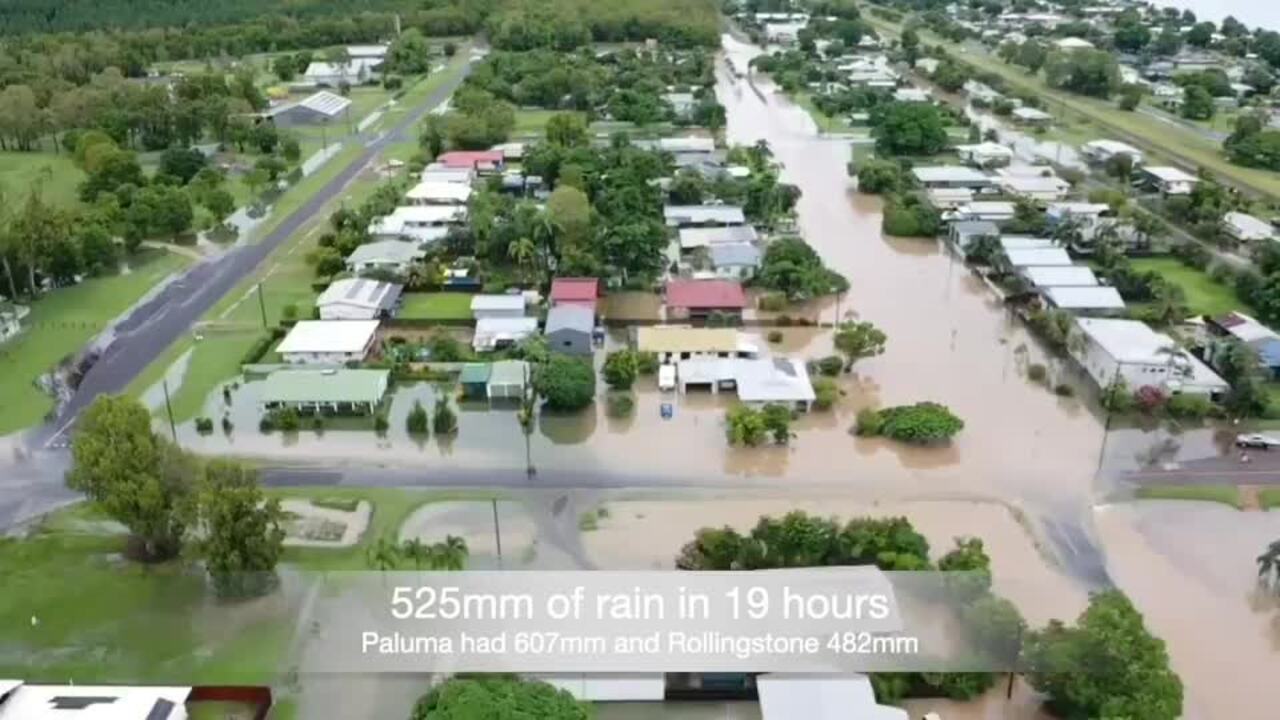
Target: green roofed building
(474, 380)
(334, 391)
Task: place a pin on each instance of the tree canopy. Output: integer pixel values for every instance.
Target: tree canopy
(791, 266)
(498, 697)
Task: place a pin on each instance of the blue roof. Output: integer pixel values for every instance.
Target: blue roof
(734, 254)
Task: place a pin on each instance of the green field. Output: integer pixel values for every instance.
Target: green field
(532, 121)
(435, 306)
(20, 171)
(1205, 296)
(1225, 494)
(1269, 498)
(60, 324)
(825, 122)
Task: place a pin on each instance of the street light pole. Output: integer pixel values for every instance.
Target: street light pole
(497, 530)
(168, 406)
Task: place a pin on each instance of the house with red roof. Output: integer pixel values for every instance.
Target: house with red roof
(478, 160)
(700, 298)
(580, 291)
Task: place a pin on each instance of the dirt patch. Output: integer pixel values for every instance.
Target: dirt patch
(325, 527)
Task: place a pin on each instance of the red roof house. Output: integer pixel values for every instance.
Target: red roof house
(472, 159)
(702, 297)
(575, 291)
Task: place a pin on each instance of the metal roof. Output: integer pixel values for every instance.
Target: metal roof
(508, 372)
(497, 302)
(735, 255)
(329, 336)
(570, 317)
(385, 251)
(361, 292)
(475, 373)
(705, 294)
(1060, 276)
(1038, 256)
(1169, 174)
(680, 338)
(694, 237)
(698, 214)
(1099, 297)
(325, 386)
(950, 173)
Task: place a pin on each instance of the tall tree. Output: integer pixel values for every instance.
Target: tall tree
(241, 536)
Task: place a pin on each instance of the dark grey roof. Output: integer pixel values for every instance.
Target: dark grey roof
(570, 317)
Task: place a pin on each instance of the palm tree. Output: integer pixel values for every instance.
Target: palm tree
(522, 252)
(450, 554)
(416, 551)
(383, 554)
(1269, 565)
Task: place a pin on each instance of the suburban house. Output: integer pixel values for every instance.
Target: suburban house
(735, 261)
(359, 299)
(785, 696)
(1167, 180)
(494, 333)
(985, 154)
(436, 192)
(1100, 151)
(329, 392)
(1096, 300)
(952, 176)
(696, 237)
(395, 256)
(928, 66)
(757, 381)
(990, 210)
(965, 232)
(1086, 213)
(368, 52)
(321, 107)
(948, 198)
(481, 161)
(1072, 43)
(435, 172)
(1128, 350)
(681, 342)
(700, 298)
(1032, 117)
(497, 306)
(1027, 257)
(580, 291)
(682, 104)
(1037, 184)
(704, 215)
(911, 94)
(26, 701)
(981, 92)
(356, 71)
(1260, 338)
(1045, 276)
(328, 342)
(569, 329)
(1243, 227)
(424, 224)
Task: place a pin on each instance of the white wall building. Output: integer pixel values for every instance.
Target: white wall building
(328, 342)
(1100, 151)
(1246, 228)
(822, 697)
(497, 306)
(358, 299)
(1131, 351)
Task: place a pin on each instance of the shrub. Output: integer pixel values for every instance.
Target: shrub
(317, 423)
(1193, 254)
(286, 420)
(774, 336)
(921, 423)
(620, 405)
(265, 424)
(825, 392)
(444, 421)
(567, 383)
(1037, 373)
(204, 425)
(646, 363)
(1192, 407)
(227, 427)
(380, 423)
(620, 369)
(1063, 390)
(831, 365)
(1222, 273)
(783, 321)
(772, 302)
(879, 176)
(1148, 398)
(416, 422)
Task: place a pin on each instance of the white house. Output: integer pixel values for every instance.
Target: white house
(493, 333)
(981, 92)
(1246, 228)
(435, 192)
(356, 71)
(497, 306)
(1100, 151)
(1040, 188)
(990, 210)
(735, 261)
(423, 224)
(1099, 299)
(821, 697)
(1072, 43)
(435, 172)
(395, 256)
(985, 155)
(952, 176)
(328, 342)
(944, 198)
(358, 299)
(1043, 276)
(689, 215)
(1037, 256)
(696, 237)
(1169, 180)
(911, 94)
(1031, 116)
(681, 342)
(1128, 350)
(758, 382)
(927, 65)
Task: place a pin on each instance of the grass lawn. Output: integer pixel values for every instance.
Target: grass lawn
(1225, 494)
(532, 121)
(60, 324)
(436, 306)
(391, 507)
(19, 172)
(1269, 498)
(1205, 296)
(825, 122)
(102, 619)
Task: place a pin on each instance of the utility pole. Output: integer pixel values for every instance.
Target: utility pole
(497, 530)
(168, 406)
(262, 307)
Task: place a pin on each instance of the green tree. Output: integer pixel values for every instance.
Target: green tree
(777, 422)
(498, 696)
(408, 54)
(911, 129)
(921, 423)
(451, 554)
(791, 266)
(383, 555)
(566, 383)
(416, 422)
(857, 340)
(444, 421)
(241, 536)
(1197, 103)
(567, 130)
(135, 476)
(621, 368)
(1086, 72)
(418, 552)
(1128, 673)
(745, 426)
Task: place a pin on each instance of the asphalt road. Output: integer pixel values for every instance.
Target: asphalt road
(1261, 468)
(155, 325)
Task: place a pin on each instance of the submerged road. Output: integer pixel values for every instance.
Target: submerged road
(159, 322)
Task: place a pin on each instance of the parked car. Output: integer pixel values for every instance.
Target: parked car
(1257, 440)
